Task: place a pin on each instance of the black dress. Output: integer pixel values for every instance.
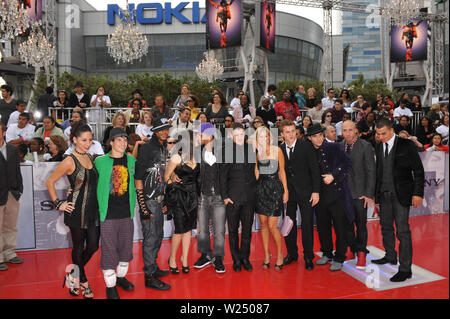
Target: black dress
(181, 199)
(83, 183)
(269, 189)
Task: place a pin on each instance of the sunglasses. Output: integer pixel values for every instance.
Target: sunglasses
(279, 120)
(329, 116)
(189, 100)
(228, 121)
(257, 122)
(170, 143)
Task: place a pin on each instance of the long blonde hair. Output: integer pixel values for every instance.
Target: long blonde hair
(260, 130)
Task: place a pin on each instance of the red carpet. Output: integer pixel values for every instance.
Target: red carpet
(41, 274)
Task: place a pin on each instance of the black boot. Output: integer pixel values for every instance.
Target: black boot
(111, 293)
(151, 281)
(124, 283)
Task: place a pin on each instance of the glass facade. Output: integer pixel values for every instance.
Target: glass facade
(294, 60)
(181, 53)
(365, 44)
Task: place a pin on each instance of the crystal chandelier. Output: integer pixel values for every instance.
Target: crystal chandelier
(126, 43)
(14, 19)
(400, 12)
(37, 51)
(209, 69)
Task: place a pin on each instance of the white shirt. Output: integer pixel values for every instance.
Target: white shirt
(14, 132)
(443, 130)
(105, 99)
(209, 158)
(178, 126)
(338, 128)
(3, 150)
(292, 146)
(95, 149)
(329, 141)
(327, 103)
(14, 118)
(144, 131)
(398, 112)
(69, 129)
(235, 102)
(390, 144)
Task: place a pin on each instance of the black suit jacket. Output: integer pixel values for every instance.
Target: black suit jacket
(232, 180)
(11, 177)
(73, 100)
(363, 175)
(409, 175)
(305, 176)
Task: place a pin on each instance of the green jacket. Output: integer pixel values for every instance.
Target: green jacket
(104, 166)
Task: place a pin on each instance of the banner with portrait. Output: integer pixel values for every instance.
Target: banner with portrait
(266, 23)
(34, 9)
(409, 42)
(223, 23)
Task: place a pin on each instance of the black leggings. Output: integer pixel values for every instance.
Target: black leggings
(80, 253)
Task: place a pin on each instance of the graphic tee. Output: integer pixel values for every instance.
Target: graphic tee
(119, 197)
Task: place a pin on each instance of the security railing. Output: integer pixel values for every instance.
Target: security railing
(100, 118)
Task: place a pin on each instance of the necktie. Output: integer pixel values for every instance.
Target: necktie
(348, 148)
(290, 152)
(386, 150)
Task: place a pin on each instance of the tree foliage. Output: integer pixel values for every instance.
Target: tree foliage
(120, 91)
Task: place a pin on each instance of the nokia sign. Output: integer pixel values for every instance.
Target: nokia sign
(162, 14)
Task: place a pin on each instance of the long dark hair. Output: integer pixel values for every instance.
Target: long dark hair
(77, 129)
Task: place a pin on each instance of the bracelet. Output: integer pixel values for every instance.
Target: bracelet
(57, 203)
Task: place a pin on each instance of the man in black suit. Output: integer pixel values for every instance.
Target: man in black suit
(362, 186)
(11, 188)
(238, 186)
(400, 183)
(303, 177)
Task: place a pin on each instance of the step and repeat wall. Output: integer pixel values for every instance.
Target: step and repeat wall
(41, 227)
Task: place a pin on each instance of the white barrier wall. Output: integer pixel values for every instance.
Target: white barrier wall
(41, 227)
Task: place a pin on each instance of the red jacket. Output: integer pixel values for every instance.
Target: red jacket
(287, 109)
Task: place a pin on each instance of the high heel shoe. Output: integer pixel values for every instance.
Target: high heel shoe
(267, 266)
(184, 269)
(175, 270)
(86, 291)
(71, 284)
(279, 267)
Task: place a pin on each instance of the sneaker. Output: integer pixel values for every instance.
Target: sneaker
(155, 283)
(323, 261)
(361, 264)
(161, 273)
(203, 261)
(15, 260)
(111, 293)
(3, 267)
(218, 265)
(335, 266)
(349, 255)
(124, 283)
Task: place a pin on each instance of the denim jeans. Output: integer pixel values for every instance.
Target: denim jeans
(211, 207)
(153, 233)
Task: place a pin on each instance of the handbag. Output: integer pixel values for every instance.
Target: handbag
(286, 223)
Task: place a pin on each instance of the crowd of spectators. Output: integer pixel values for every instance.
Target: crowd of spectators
(44, 142)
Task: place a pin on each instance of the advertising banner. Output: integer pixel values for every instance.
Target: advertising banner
(223, 23)
(267, 26)
(409, 42)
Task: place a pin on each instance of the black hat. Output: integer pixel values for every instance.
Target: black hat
(117, 132)
(78, 84)
(161, 123)
(315, 129)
